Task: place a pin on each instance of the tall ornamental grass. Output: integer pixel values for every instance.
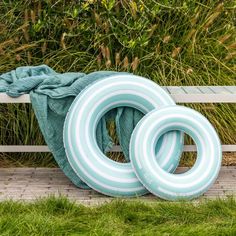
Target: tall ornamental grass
(170, 42)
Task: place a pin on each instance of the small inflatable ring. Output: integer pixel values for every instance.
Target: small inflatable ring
(90, 164)
(190, 184)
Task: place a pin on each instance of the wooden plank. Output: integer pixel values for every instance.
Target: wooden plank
(204, 98)
(4, 98)
(27, 148)
(220, 90)
(31, 189)
(203, 94)
(192, 90)
(175, 90)
(24, 148)
(190, 148)
(218, 95)
(165, 88)
(205, 89)
(232, 89)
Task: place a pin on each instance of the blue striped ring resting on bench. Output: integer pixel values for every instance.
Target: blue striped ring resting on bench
(190, 184)
(90, 164)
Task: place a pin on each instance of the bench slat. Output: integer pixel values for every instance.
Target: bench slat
(232, 89)
(4, 98)
(43, 148)
(175, 90)
(192, 90)
(181, 94)
(204, 98)
(206, 90)
(219, 90)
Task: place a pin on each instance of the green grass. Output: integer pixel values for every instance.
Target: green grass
(58, 216)
(173, 43)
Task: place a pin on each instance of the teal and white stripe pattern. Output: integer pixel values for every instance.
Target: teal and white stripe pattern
(85, 157)
(190, 184)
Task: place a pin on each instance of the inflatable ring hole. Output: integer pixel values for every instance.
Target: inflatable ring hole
(188, 159)
(117, 156)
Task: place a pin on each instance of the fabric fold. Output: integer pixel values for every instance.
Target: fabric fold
(51, 94)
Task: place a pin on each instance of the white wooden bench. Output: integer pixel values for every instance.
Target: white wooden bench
(46, 186)
(183, 94)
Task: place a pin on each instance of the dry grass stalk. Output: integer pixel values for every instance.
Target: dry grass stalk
(33, 16)
(18, 57)
(133, 9)
(166, 39)
(117, 7)
(106, 26)
(211, 20)
(190, 34)
(232, 46)
(195, 18)
(24, 47)
(1, 51)
(26, 16)
(176, 52)
(152, 30)
(126, 63)
(6, 43)
(135, 63)
(103, 51)
(39, 8)
(220, 6)
(108, 64)
(63, 45)
(44, 47)
(25, 30)
(158, 48)
(29, 57)
(99, 59)
(107, 53)
(97, 19)
(16, 39)
(47, 61)
(3, 29)
(117, 59)
(189, 71)
(230, 56)
(214, 15)
(224, 38)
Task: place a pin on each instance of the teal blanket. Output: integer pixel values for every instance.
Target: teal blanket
(51, 94)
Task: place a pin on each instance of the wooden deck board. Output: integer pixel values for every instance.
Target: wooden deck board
(181, 94)
(116, 148)
(28, 184)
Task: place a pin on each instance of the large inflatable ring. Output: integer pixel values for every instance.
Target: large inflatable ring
(190, 184)
(90, 164)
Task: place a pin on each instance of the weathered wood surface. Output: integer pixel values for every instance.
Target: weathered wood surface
(28, 184)
(116, 148)
(181, 94)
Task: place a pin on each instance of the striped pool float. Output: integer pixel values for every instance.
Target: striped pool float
(190, 184)
(91, 165)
